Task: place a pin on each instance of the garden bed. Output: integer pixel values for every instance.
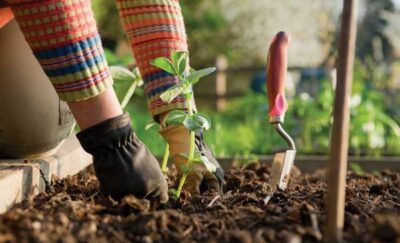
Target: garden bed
(73, 210)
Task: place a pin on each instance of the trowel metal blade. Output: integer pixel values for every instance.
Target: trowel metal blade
(281, 167)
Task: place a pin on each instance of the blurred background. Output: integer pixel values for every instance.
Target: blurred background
(234, 36)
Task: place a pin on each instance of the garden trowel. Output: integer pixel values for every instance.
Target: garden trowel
(276, 75)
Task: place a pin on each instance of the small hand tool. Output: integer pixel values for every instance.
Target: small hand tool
(276, 76)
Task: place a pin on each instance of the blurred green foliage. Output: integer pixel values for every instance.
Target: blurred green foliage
(243, 129)
(112, 59)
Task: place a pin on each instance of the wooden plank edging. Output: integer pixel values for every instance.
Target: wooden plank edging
(20, 179)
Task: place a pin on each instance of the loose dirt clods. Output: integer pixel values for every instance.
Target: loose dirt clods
(74, 211)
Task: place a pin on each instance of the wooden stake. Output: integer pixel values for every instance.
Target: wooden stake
(340, 131)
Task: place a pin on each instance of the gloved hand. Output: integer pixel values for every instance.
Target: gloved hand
(122, 162)
(200, 179)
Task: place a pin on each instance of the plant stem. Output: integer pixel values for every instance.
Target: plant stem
(129, 93)
(192, 136)
(180, 186)
(190, 161)
(191, 150)
(191, 153)
(165, 159)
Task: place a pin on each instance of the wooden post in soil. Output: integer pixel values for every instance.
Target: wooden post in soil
(340, 130)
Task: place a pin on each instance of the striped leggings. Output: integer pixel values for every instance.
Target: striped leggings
(64, 38)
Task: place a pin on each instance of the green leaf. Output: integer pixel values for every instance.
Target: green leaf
(195, 76)
(196, 156)
(191, 124)
(176, 56)
(209, 165)
(197, 121)
(199, 158)
(170, 94)
(202, 120)
(175, 117)
(139, 79)
(119, 73)
(180, 61)
(183, 64)
(164, 64)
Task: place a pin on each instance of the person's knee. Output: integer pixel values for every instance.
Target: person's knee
(32, 119)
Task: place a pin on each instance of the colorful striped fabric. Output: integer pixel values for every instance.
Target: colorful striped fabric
(65, 40)
(154, 28)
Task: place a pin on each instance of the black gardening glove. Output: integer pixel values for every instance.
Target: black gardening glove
(122, 162)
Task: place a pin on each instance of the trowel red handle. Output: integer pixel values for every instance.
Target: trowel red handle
(276, 76)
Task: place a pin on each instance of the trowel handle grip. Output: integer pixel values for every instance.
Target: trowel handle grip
(276, 76)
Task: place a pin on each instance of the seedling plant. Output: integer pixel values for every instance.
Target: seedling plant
(178, 65)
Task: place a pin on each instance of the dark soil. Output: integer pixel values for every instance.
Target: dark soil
(73, 211)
